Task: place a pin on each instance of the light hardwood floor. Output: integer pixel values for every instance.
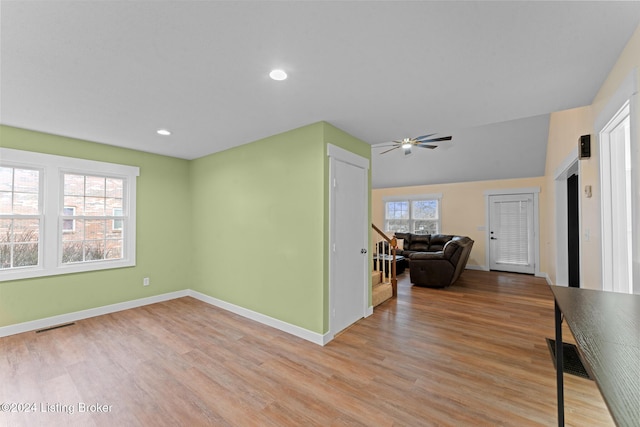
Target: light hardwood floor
(470, 355)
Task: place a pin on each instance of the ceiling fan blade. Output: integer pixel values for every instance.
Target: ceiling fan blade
(426, 146)
(444, 138)
(391, 149)
(424, 136)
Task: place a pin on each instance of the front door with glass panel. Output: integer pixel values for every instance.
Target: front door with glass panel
(511, 233)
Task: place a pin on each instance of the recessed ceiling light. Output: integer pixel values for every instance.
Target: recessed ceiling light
(278, 75)
(163, 132)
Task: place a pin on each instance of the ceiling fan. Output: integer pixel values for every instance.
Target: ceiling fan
(424, 141)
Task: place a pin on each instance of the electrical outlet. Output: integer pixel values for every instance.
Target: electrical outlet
(145, 281)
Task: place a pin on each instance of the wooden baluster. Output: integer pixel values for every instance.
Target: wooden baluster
(394, 281)
(387, 265)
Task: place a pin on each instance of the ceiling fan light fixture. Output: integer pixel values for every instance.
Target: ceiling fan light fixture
(278, 75)
(406, 145)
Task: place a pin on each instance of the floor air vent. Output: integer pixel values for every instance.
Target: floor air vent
(571, 361)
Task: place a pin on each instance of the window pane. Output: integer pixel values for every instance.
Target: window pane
(424, 209)
(116, 229)
(512, 226)
(20, 191)
(75, 202)
(397, 210)
(6, 202)
(5, 256)
(73, 230)
(95, 186)
(93, 239)
(93, 250)
(25, 203)
(73, 185)
(114, 206)
(94, 206)
(71, 252)
(425, 227)
(400, 226)
(115, 188)
(68, 225)
(26, 230)
(6, 179)
(26, 181)
(19, 240)
(25, 254)
(5, 230)
(114, 249)
(95, 229)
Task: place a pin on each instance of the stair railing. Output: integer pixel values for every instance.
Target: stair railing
(385, 259)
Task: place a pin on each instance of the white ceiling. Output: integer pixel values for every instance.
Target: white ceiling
(115, 71)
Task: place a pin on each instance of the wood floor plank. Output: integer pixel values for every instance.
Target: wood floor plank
(473, 354)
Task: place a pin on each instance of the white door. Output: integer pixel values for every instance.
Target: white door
(349, 240)
(511, 233)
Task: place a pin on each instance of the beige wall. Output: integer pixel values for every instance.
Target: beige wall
(564, 130)
(463, 208)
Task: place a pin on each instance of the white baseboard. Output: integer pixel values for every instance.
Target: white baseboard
(48, 322)
(545, 276)
(314, 337)
(297, 331)
(476, 267)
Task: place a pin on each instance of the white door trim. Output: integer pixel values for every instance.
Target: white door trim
(534, 191)
(627, 91)
(336, 153)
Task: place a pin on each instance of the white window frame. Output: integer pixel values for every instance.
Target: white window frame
(52, 167)
(409, 199)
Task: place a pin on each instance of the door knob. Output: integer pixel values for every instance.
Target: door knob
(493, 238)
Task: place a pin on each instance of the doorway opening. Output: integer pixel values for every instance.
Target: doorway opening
(573, 230)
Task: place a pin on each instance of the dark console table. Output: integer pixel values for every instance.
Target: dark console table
(606, 326)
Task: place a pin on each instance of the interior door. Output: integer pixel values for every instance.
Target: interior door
(573, 231)
(349, 258)
(511, 233)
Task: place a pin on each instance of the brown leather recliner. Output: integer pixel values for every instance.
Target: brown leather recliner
(440, 269)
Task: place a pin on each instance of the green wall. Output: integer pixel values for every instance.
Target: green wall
(260, 223)
(258, 215)
(163, 232)
(248, 226)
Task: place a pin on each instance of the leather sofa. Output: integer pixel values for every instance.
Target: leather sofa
(421, 243)
(436, 260)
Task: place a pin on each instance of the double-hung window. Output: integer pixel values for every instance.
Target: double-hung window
(20, 216)
(62, 215)
(93, 204)
(419, 214)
